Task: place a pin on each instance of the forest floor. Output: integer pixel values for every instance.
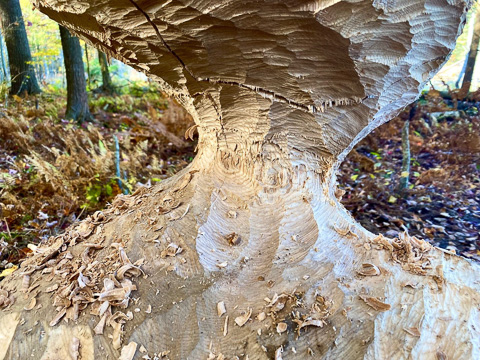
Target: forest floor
(54, 172)
(442, 203)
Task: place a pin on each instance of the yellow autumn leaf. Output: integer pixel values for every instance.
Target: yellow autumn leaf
(7, 272)
(405, 174)
(392, 199)
(17, 98)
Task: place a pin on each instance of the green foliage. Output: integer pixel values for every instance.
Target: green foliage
(97, 191)
(4, 88)
(43, 37)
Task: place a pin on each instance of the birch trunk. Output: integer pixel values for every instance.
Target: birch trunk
(247, 253)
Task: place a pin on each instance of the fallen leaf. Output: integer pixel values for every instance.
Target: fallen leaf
(8, 271)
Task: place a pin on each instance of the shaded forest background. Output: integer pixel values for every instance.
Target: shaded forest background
(77, 128)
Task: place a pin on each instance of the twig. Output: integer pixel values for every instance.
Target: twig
(8, 229)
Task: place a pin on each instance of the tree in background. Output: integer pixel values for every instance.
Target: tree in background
(107, 85)
(22, 72)
(77, 98)
(471, 58)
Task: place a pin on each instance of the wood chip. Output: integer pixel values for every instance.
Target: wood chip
(32, 304)
(375, 303)
(241, 320)
(261, 316)
(281, 327)
(221, 308)
(190, 132)
(233, 239)
(59, 317)
(85, 229)
(117, 335)
(222, 265)
(278, 353)
(369, 270)
(51, 288)
(103, 308)
(25, 283)
(311, 322)
(411, 284)
(278, 302)
(171, 250)
(128, 269)
(101, 325)
(413, 331)
(225, 326)
(117, 294)
(128, 351)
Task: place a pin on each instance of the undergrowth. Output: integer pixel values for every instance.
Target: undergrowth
(53, 172)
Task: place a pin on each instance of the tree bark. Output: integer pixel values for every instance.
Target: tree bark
(471, 58)
(22, 72)
(406, 155)
(107, 85)
(77, 98)
(2, 59)
(89, 76)
(247, 253)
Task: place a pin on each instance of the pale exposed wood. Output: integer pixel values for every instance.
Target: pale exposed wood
(280, 92)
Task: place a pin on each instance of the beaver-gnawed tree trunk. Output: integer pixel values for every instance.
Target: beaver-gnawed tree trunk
(247, 253)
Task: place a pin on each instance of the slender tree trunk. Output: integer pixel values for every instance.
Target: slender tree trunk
(77, 98)
(406, 155)
(471, 58)
(247, 253)
(89, 76)
(22, 72)
(47, 70)
(107, 85)
(2, 58)
(405, 171)
(469, 43)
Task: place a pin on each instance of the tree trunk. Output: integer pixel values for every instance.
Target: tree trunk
(77, 98)
(89, 75)
(406, 156)
(247, 254)
(471, 58)
(2, 59)
(22, 72)
(107, 85)
(468, 44)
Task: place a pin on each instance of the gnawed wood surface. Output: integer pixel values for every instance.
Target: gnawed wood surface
(280, 91)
